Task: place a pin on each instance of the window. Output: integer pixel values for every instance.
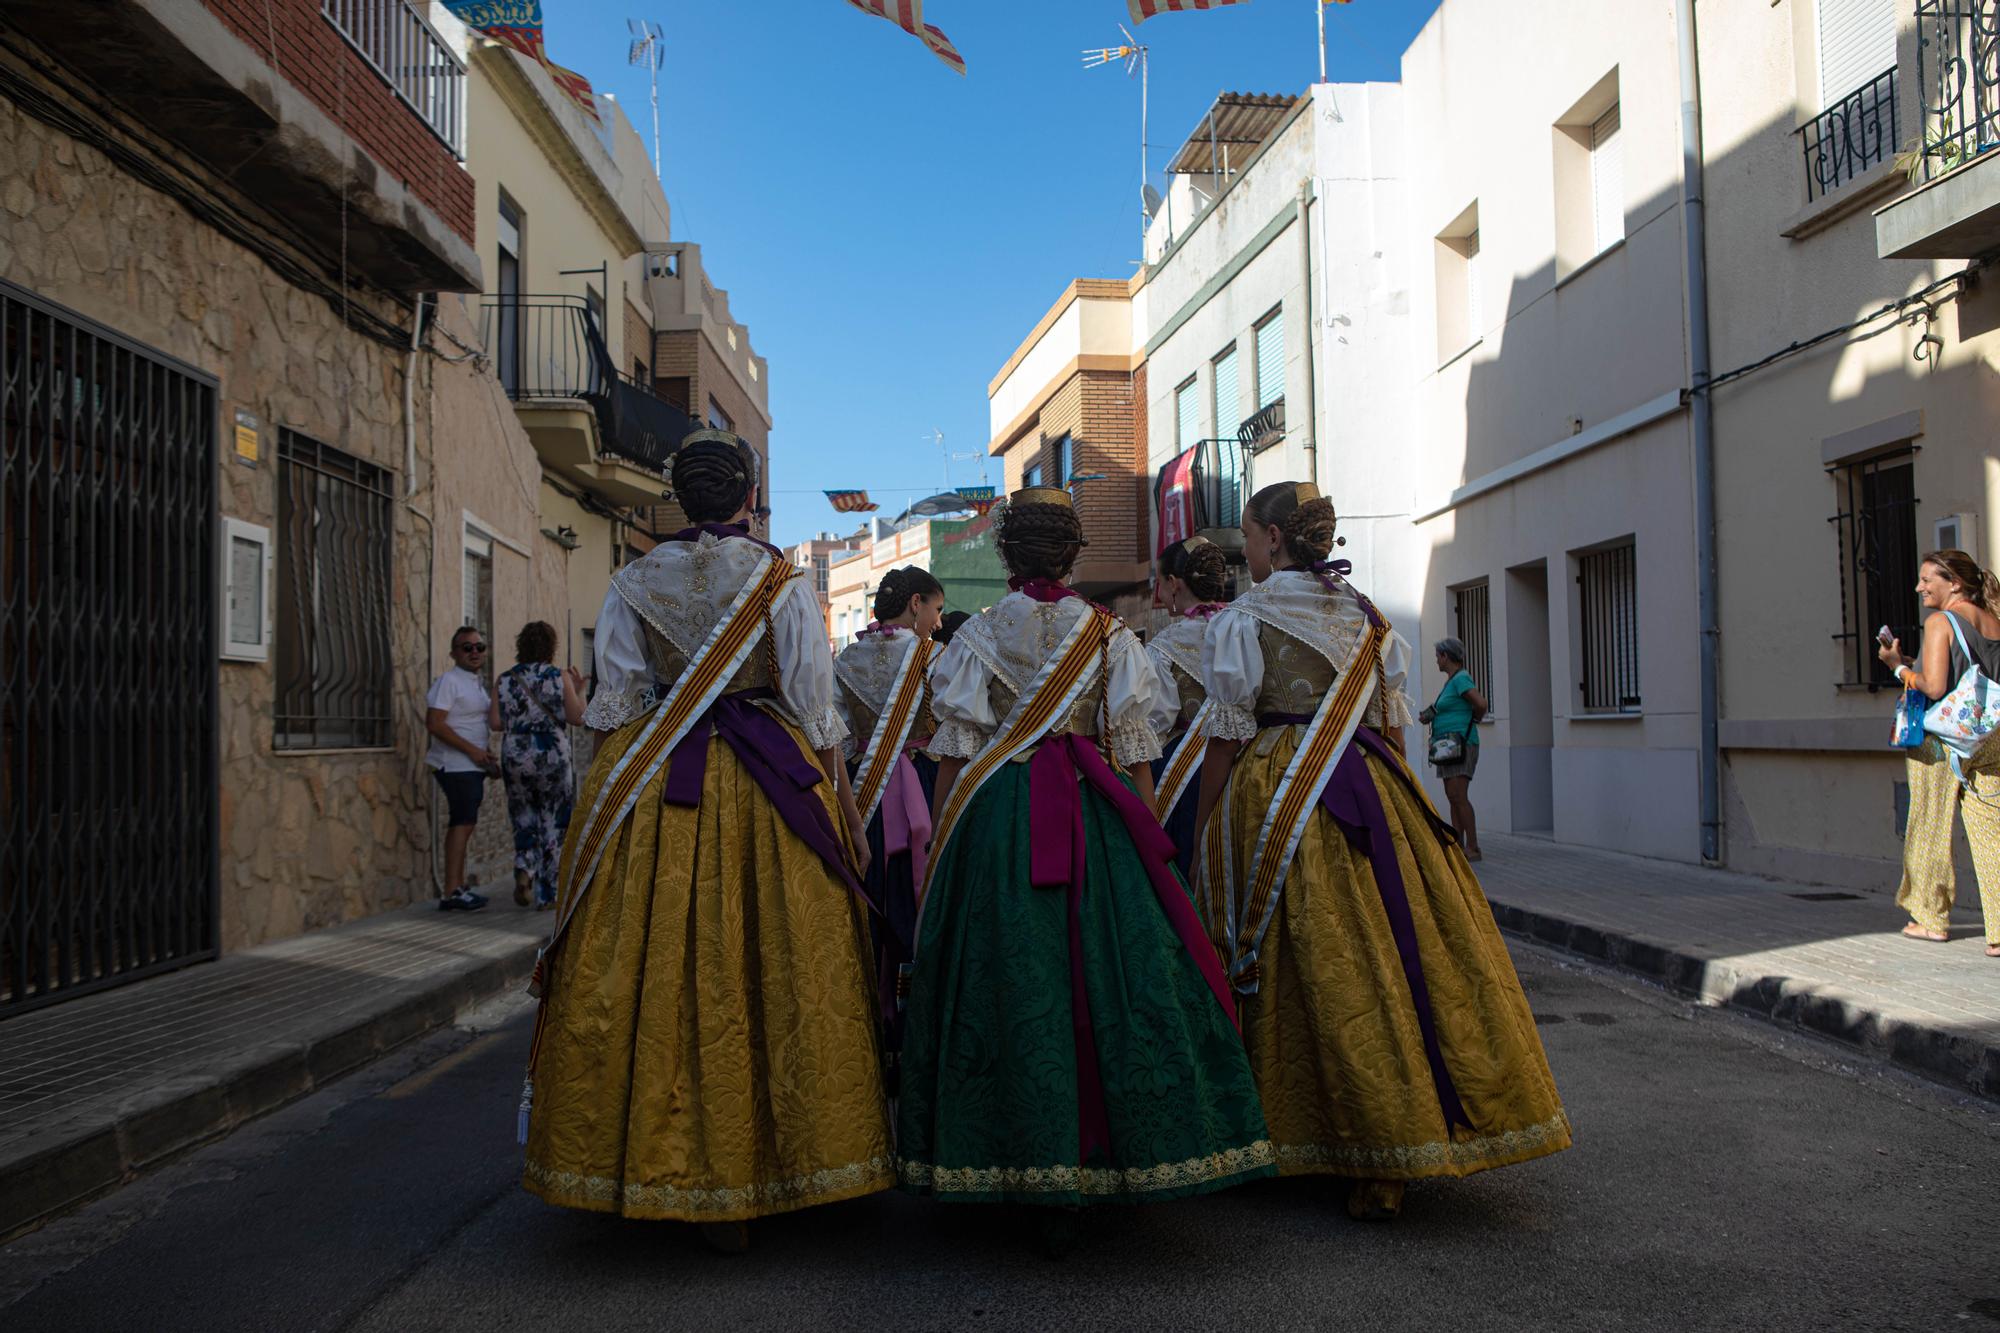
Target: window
(675, 389)
(1187, 414)
(1876, 528)
(507, 355)
(476, 609)
(1608, 581)
(335, 519)
(1270, 337)
(1031, 475)
(717, 418)
(1472, 622)
(1607, 181)
(1228, 402)
(1856, 129)
(1456, 256)
(1062, 461)
(595, 300)
(1857, 42)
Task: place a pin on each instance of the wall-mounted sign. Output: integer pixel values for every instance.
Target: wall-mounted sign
(246, 438)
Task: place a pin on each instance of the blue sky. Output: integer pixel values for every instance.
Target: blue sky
(889, 231)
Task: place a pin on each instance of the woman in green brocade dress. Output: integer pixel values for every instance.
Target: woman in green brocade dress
(1069, 1037)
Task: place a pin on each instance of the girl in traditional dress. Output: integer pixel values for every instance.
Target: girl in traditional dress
(1194, 582)
(706, 1048)
(882, 689)
(1070, 1038)
(1388, 1031)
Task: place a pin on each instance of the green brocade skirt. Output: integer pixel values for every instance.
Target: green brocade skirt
(989, 1097)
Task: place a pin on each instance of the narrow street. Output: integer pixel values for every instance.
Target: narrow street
(1725, 1175)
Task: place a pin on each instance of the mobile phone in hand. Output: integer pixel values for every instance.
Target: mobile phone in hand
(1884, 637)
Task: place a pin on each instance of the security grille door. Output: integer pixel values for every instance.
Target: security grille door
(108, 607)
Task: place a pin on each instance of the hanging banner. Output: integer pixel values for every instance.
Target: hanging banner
(909, 16)
(1145, 9)
(978, 499)
(1176, 500)
(851, 502)
(518, 23)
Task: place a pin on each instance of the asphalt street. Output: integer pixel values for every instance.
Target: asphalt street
(1726, 1175)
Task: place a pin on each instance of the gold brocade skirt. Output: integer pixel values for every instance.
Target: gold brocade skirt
(709, 1050)
(1332, 1030)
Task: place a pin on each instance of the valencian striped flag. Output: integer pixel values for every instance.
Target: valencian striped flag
(851, 502)
(1145, 9)
(909, 16)
(518, 23)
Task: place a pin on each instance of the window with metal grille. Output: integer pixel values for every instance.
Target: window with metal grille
(1472, 623)
(335, 526)
(1876, 531)
(1608, 580)
(1270, 337)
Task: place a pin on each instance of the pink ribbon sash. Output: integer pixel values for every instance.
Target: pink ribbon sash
(906, 817)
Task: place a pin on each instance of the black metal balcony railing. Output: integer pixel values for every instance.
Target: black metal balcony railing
(426, 73)
(1264, 429)
(1853, 135)
(547, 348)
(1958, 78)
(1221, 484)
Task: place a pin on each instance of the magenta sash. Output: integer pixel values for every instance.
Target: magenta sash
(1057, 860)
(906, 816)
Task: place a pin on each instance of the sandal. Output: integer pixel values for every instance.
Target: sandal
(1993, 951)
(1917, 932)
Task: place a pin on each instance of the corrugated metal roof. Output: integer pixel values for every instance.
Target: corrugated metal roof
(1237, 123)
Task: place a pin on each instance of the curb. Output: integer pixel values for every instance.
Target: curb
(51, 1173)
(1903, 1039)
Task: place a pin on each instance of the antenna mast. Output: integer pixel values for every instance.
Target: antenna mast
(1137, 57)
(647, 50)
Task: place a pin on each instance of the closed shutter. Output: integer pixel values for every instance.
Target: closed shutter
(1270, 361)
(1228, 406)
(1187, 411)
(1857, 43)
(1607, 178)
(1475, 319)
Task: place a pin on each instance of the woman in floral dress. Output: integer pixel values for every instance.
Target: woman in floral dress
(534, 705)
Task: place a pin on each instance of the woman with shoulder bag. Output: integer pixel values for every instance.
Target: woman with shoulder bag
(1454, 751)
(1967, 633)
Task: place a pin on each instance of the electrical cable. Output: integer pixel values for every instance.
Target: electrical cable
(1920, 297)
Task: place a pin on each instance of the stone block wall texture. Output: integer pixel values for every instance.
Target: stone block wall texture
(307, 840)
(304, 48)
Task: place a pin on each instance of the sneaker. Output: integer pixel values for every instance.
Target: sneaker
(465, 900)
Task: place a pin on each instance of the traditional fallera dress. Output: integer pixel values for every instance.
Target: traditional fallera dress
(882, 691)
(706, 1048)
(1069, 1034)
(1382, 1014)
(1180, 719)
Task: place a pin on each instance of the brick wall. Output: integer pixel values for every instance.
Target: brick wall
(638, 337)
(305, 49)
(687, 354)
(1103, 413)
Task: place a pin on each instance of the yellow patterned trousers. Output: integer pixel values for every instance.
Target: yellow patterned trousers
(1929, 883)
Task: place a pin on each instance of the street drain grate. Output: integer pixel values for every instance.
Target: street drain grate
(1826, 897)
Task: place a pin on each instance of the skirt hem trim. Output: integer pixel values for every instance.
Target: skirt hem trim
(727, 1203)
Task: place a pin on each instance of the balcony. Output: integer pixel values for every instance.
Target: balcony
(602, 429)
(427, 76)
(1955, 212)
(1850, 138)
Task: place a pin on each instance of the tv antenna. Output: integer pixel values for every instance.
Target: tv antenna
(1135, 57)
(936, 437)
(647, 50)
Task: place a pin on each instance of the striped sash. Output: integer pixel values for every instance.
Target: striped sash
(1184, 765)
(1049, 697)
(708, 673)
(1239, 915)
(892, 727)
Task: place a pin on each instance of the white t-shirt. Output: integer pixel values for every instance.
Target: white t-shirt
(463, 697)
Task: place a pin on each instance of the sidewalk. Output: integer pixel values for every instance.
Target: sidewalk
(1830, 961)
(95, 1089)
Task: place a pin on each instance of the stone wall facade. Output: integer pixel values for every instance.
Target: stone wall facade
(307, 839)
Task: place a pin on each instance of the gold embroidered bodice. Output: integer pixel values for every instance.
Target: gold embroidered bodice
(1296, 678)
(670, 662)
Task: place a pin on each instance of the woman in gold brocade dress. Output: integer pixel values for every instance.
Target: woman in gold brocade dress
(1387, 1029)
(707, 1047)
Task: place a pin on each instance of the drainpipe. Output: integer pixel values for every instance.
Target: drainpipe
(1306, 286)
(410, 399)
(1694, 226)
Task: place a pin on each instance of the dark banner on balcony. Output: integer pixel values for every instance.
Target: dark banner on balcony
(1175, 496)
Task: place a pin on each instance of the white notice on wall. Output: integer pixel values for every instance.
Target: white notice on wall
(246, 591)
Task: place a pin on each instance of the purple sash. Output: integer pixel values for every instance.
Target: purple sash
(784, 772)
(1351, 800)
(1057, 860)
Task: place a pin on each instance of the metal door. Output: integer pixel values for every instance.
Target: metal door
(107, 657)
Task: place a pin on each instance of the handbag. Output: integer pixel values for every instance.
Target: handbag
(1965, 717)
(1446, 747)
(1908, 731)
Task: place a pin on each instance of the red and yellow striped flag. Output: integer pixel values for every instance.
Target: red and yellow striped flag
(909, 16)
(1145, 9)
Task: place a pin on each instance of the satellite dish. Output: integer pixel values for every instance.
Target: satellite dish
(1151, 198)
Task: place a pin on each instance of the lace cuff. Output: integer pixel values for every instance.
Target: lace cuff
(955, 740)
(610, 710)
(825, 730)
(1230, 723)
(1391, 709)
(1134, 743)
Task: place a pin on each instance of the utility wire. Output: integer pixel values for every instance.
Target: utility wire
(1895, 308)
